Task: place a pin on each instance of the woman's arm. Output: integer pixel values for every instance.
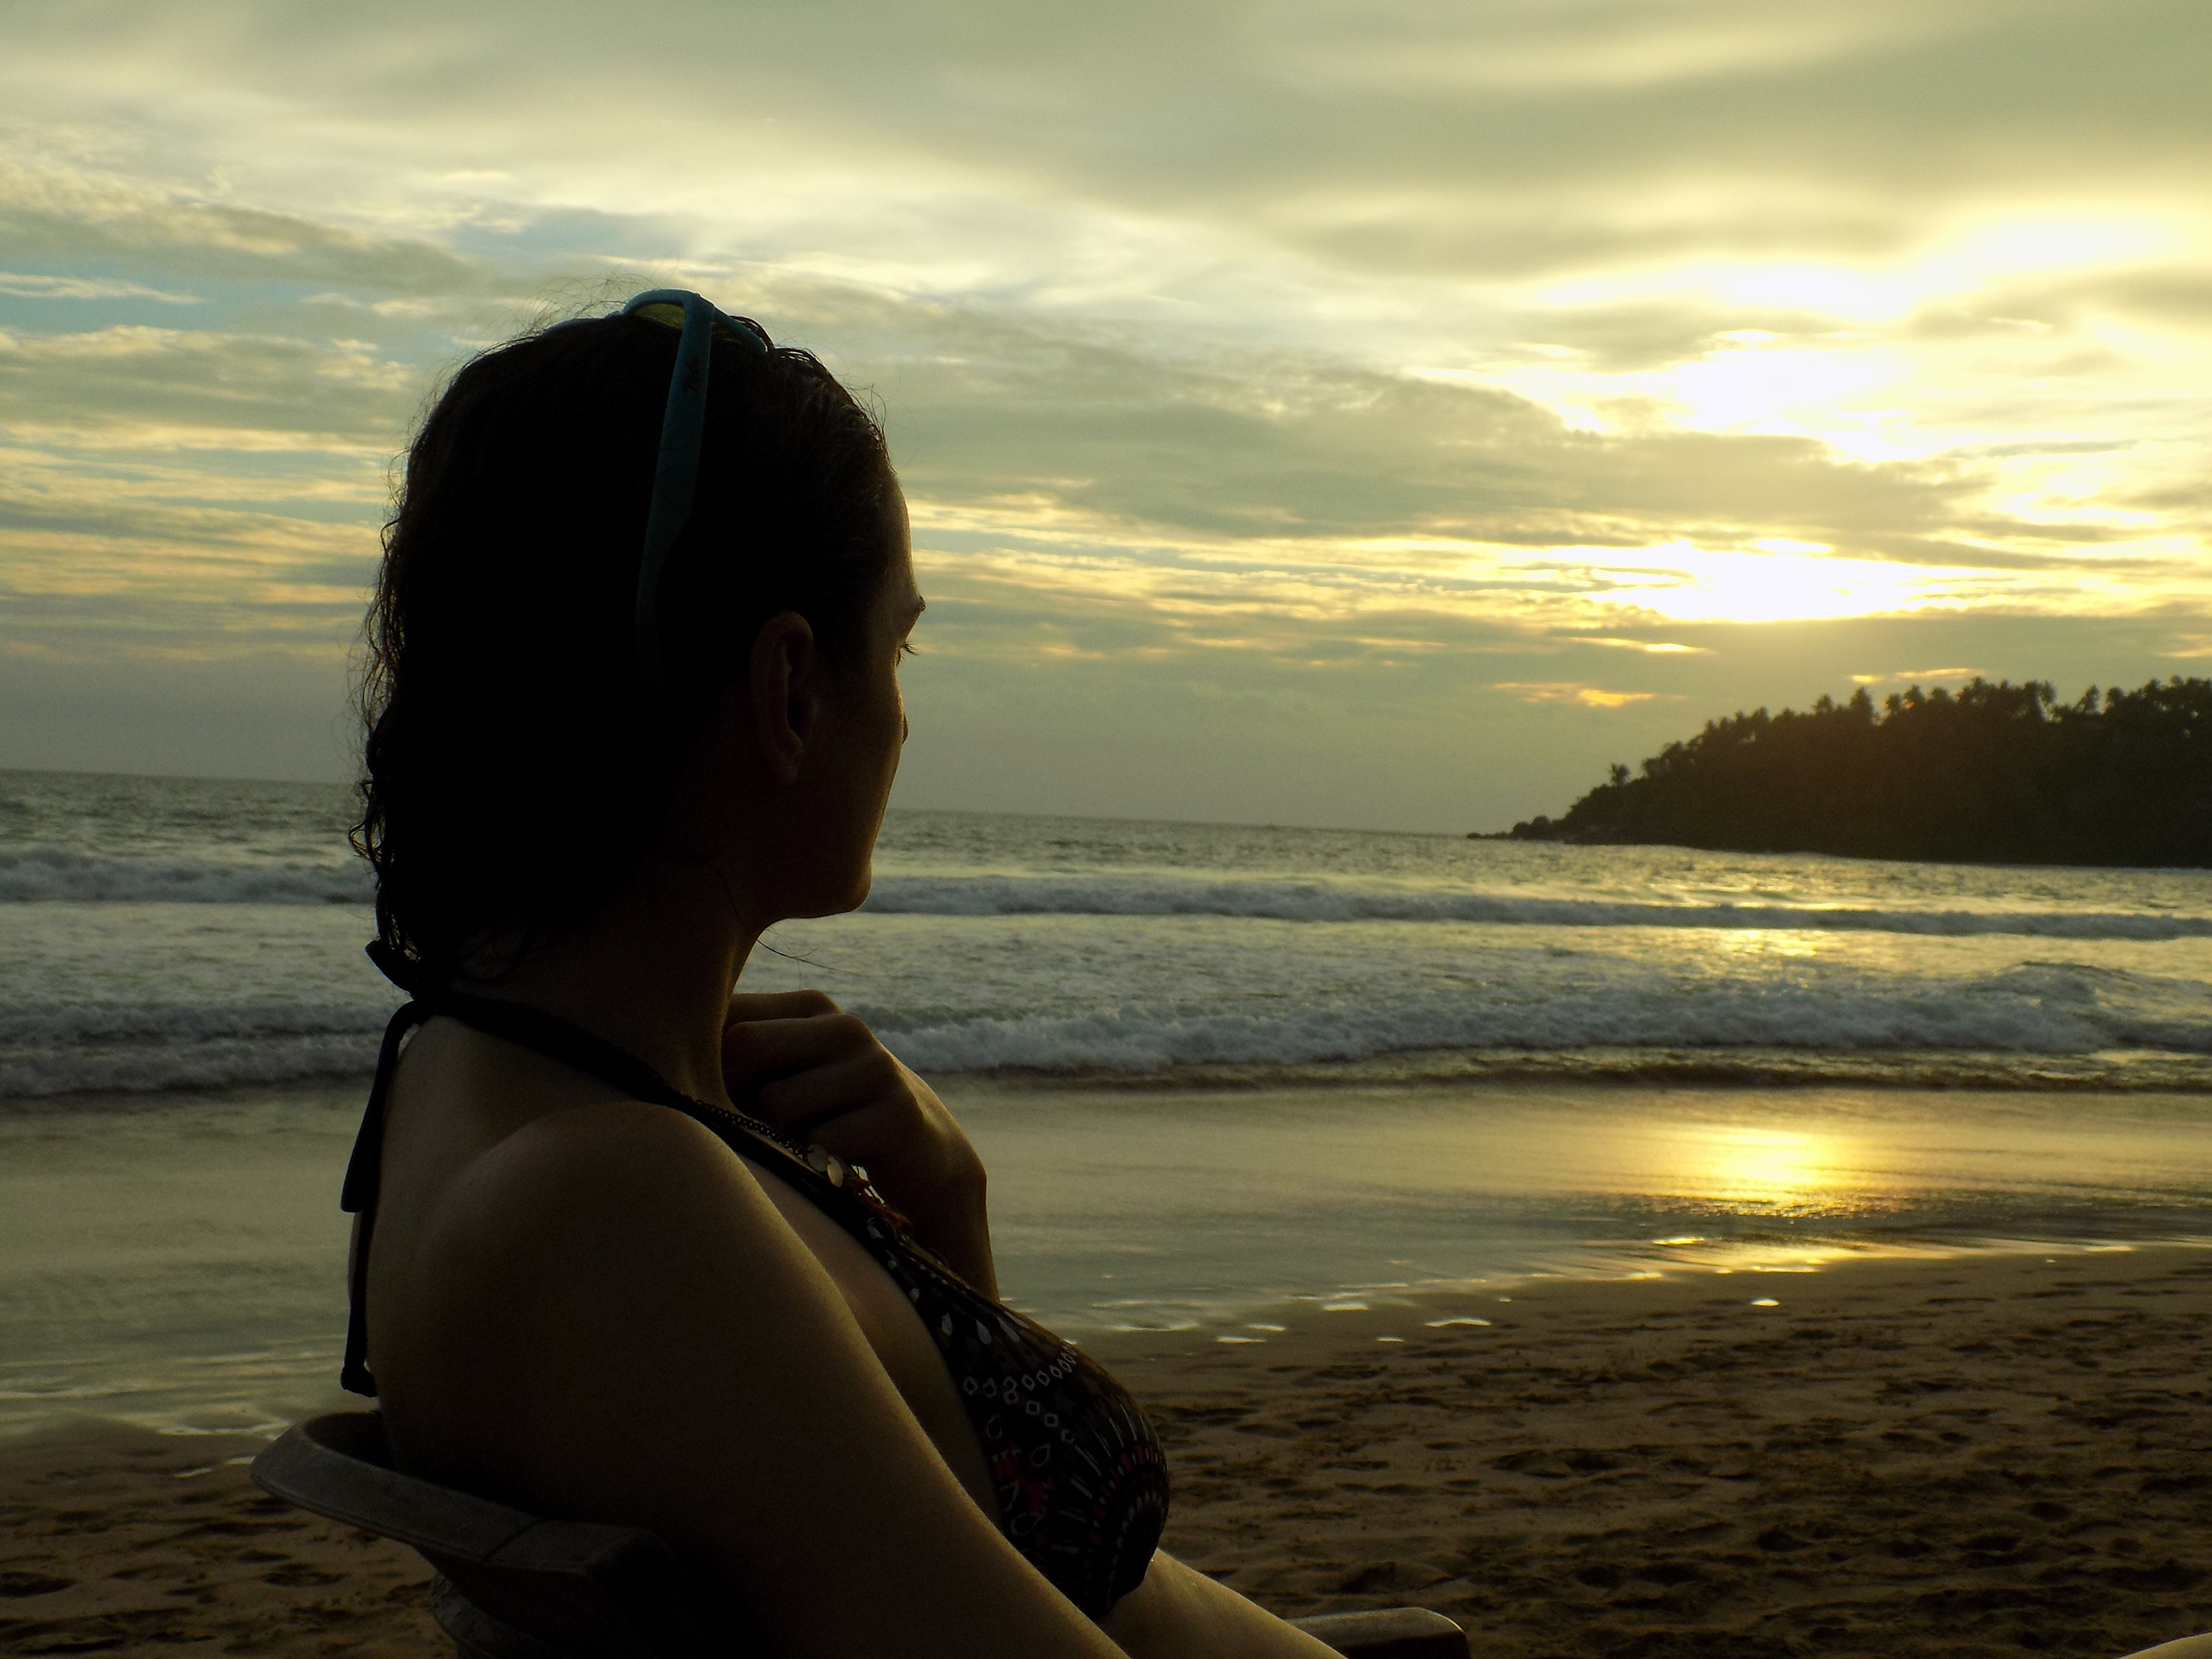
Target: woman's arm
(795, 1059)
(646, 1341)
(1179, 1613)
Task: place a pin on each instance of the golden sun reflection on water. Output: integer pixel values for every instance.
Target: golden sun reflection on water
(1779, 1171)
(1764, 942)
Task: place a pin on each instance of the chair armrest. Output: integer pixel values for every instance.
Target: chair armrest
(1392, 1634)
(618, 1592)
(614, 1589)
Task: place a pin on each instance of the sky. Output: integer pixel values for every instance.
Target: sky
(1375, 413)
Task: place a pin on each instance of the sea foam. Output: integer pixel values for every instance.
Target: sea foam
(35, 875)
(2026, 1012)
(1114, 894)
(2032, 1010)
(50, 874)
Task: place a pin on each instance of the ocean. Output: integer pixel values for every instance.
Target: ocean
(1212, 1068)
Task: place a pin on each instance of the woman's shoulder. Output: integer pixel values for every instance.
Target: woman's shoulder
(618, 1197)
(577, 1159)
(490, 1197)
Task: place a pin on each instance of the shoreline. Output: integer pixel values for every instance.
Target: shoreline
(1780, 1268)
(2132, 1075)
(1959, 1455)
(1309, 1327)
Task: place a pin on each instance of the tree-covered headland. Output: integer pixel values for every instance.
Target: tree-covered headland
(1998, 773)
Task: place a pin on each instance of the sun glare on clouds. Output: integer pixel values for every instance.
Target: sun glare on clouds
(1777, 583)
(1588, 696)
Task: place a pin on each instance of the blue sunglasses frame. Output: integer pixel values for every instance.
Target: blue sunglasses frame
(683, 431)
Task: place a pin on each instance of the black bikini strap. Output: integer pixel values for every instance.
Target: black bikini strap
(526, 1028)
(561, 1040)
(523, 1026)
(571, 1045)
(357, 1197)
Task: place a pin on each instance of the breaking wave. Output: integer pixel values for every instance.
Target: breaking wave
(35, 875)
(1322, 901)
(126, 1047)
(2034, 1011)
(53, 874)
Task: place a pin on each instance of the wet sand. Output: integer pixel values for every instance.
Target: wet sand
(1964, 1456)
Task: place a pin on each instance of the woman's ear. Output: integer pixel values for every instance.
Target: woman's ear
(783, 687)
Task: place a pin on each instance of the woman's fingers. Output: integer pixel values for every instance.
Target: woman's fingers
(815, 1073)
(907, 1157)
(804, 1104)
(754, 1051)
(778, 1004)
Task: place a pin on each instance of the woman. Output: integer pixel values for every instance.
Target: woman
(630, 1247)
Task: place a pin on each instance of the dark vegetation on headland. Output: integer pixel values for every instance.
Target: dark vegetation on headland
(1998, 773)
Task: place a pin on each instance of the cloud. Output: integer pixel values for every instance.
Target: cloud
(1350, 360)
(1573, 691)
(51, 214)
(1653, 648)
(1922, 675)
(174, 551)
(1205, 109)
(1587, 45)
(255, 408)
(29, 285)
(1281, 445)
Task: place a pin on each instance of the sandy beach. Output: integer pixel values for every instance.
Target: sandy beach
(1957, 1456)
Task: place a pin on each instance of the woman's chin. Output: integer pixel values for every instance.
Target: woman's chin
(836, 902)
(861, 890)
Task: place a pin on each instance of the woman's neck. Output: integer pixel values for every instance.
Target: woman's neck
(650, 969)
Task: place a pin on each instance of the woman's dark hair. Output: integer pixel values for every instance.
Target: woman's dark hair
(515, 767)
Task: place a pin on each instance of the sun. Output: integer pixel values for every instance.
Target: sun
(1777, 580)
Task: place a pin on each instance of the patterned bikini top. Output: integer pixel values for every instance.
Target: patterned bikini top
(1082, 1483)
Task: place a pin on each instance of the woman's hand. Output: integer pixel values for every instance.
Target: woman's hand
(817, 1073)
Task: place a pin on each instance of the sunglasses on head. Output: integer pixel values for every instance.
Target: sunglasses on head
(682, 427)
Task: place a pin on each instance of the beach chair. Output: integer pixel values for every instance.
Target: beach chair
(513, 1585)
